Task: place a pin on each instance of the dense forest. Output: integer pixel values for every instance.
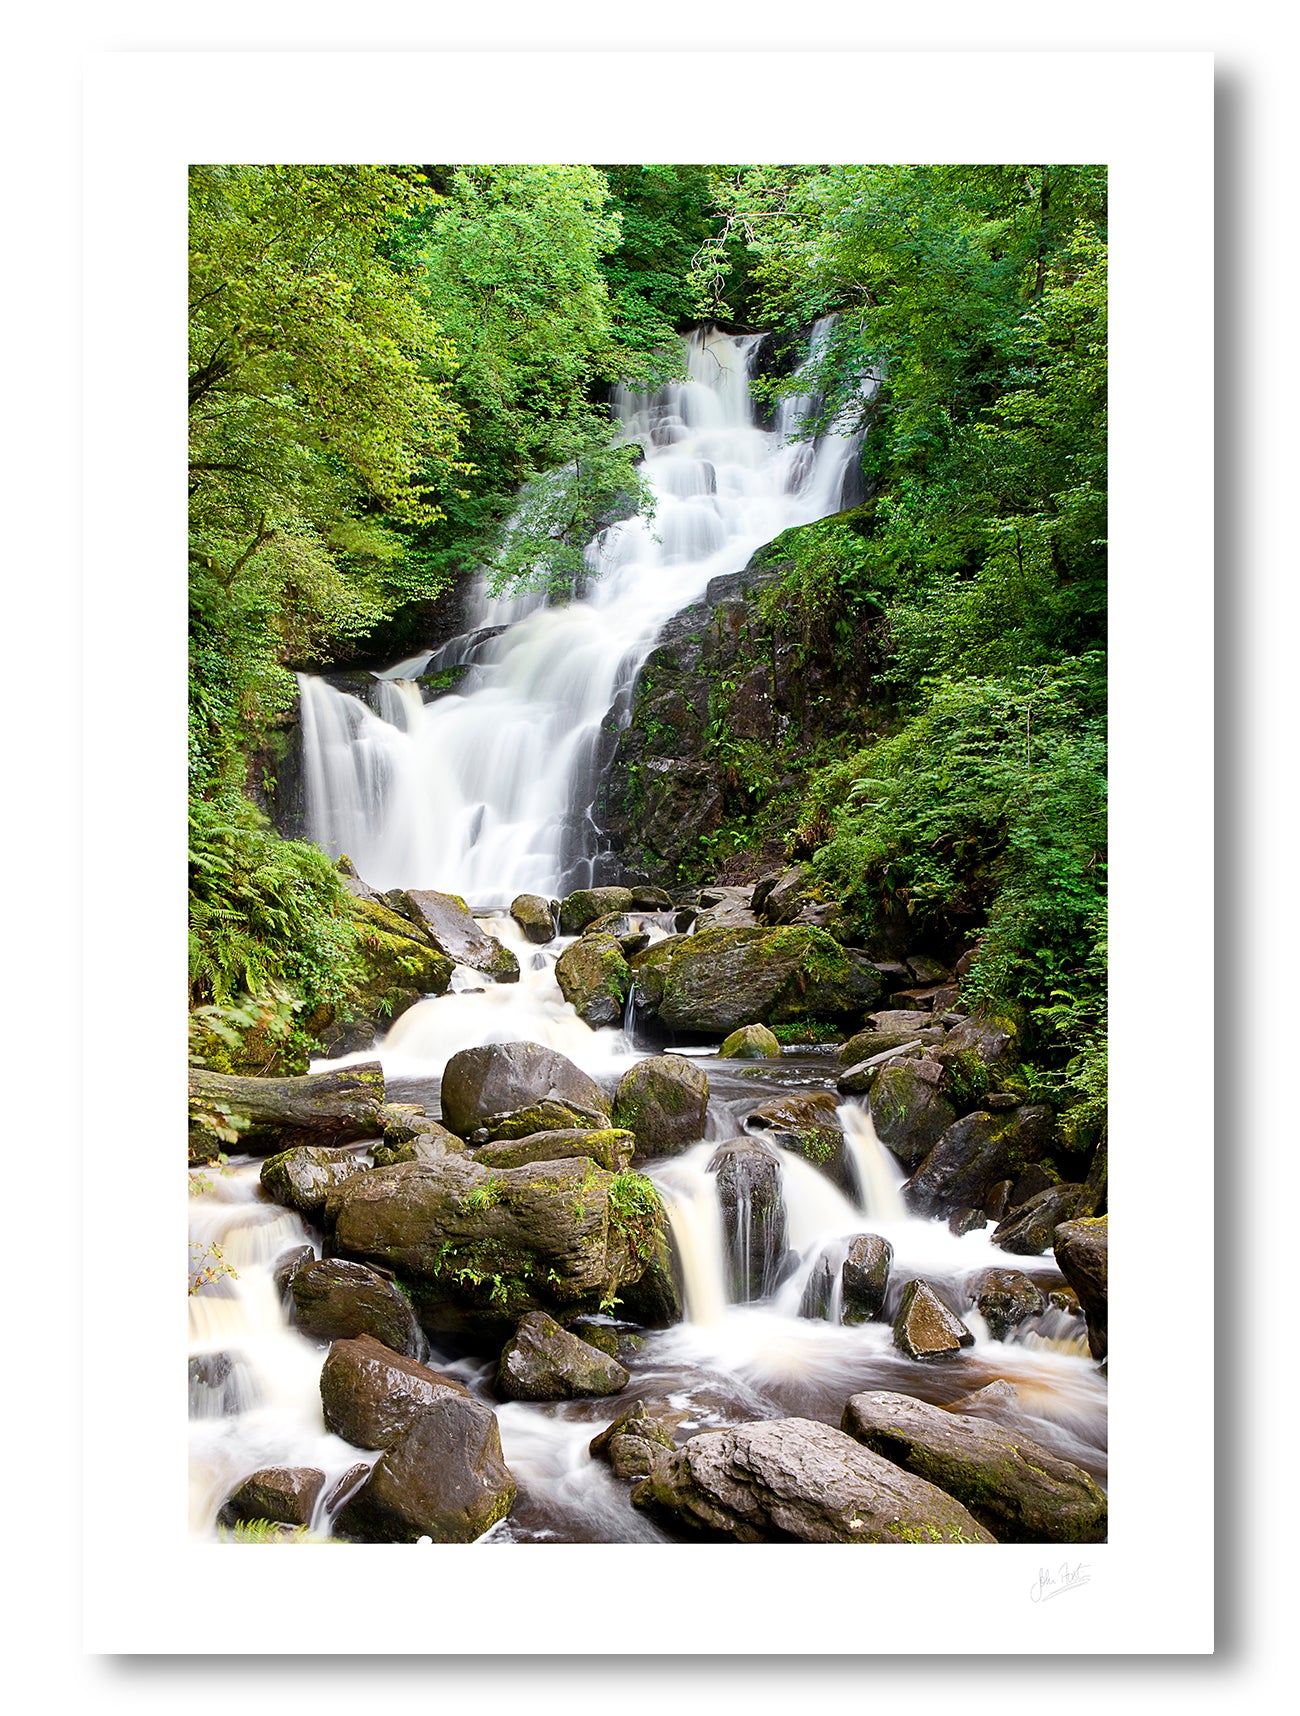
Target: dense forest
(838, 810)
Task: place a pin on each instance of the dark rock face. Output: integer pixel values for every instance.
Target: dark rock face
(974, 1154)
(302, 1178)
(480, 1247)
(284, 1494)
(925, 1328)
(594, 979)
(794, 1479)
(446, 920)
(515, 1078)
(909, 1114)
(1080, 1249)
(865, 1276)
(753, 1216)
(819, 1290)
(371, 1395)
(1013, 1487)
(1006, 1297)
(333, 1299)
(587, 904)
(607, 1146)
(806, 1123)
(533, 915)
(1028, 1230)
(718, 980)
(542, 1361)
(663, 1100)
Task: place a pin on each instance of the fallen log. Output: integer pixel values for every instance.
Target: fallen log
(263, 1115)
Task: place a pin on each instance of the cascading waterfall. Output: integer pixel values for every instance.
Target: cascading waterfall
(486, 792)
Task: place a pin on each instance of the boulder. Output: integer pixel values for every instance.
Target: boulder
(1006, 1297)
(720, 979)
(480, 1247)
(272, 1114)
(446, 920)
(285, 1494)
(498, 1087)
(873, 1046)
(788, 1479)
(908, 1112)
(333, 1299)
(1028, 1230)
(865, 1277)
(288, 1263)
(818, 1298)
(533, 915)
(806, 1123)
(974, 1154)
(966, 1221)
(925, 1328)
(607, 1146)
(897, 1022)
(370, 1395)
(648, 899)
(626, 1443)
(789, 895)
(594, 979)
(926, 970)
(413, 1136)
(1016, 1489)
(993, 1041)
(1080, 1250)
(587, 904)
(663, 1100)
(750, 1043)
(302, 1178)
(753, 1216)
(543, 1361)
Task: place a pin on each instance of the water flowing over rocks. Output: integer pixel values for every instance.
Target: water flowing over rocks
(753, 1215)
(1080, 1248)
(795, 1479)
(542, 1361)
(1017, 1490)
(446, 920)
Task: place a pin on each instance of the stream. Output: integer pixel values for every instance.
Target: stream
(486, 791)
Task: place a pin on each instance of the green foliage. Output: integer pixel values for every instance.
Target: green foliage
(635, 1209)
(207, 1266)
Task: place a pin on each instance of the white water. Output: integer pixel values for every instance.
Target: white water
(487, 792)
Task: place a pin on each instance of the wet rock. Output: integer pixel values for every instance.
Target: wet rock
(966, 1221)
(629, 932)
(370, 1395)
(654, 1301)
(1028, 1230)
(626, 1443)
(908, 1112)
(485, 1087)
(418, 1140)
(543, 1361)
(446, 920)
(927, 970)
(819, 1290)
(480, 1247)
(750, 1042)
(794, 1479)
(1016, 1489)
(720, 979)
(871, 1046)
(333, 1299)
(594, 979)
(999, 1398)
(588, 904)
(609, 1147)
(1036, 1178)
(753, 1216)
(1080, 1248)
(533, 915)
(220, 1385)
(444, 1479)
(998, 1200)
(806, 1123)
(648, 899)
(284, 1494)
(925, 1328)
(287, 1263)
(664, 1100)
(1005, 1297)
(865, 1277)
(302, 1178)
(974, 1154)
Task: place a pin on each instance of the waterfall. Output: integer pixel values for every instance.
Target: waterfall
(488, 790)
(879, 1176)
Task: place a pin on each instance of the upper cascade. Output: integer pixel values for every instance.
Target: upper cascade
(488, 791)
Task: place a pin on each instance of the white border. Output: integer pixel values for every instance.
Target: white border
(147, 116)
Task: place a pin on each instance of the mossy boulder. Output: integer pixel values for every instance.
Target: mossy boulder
(751, 1043)
(974, 1154)
(302, 1178)
(924, 1327)
(534, 916)
(908, 1111)
(992, 1040)
(1029, 1229)
(806, 1123)
(480, 1247)
(446, 920)
(411, 1135)
(333, 1299)
(594, 979)
(1080, 1248)
(718, 980)
(864, 1277)
(499, 1088)
(664, 1100)
(793, 1479)
(587, 904)
(626, 1443)
(1005, 1297)
(608, 1147)
(1016, 1489)
(542, 1361)
(286, 1495)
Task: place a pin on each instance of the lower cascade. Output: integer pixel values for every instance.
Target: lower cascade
(801, 1285)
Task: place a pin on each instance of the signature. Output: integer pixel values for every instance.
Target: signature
(1065, 1578)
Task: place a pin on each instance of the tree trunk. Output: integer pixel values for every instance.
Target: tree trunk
(271, 1114)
